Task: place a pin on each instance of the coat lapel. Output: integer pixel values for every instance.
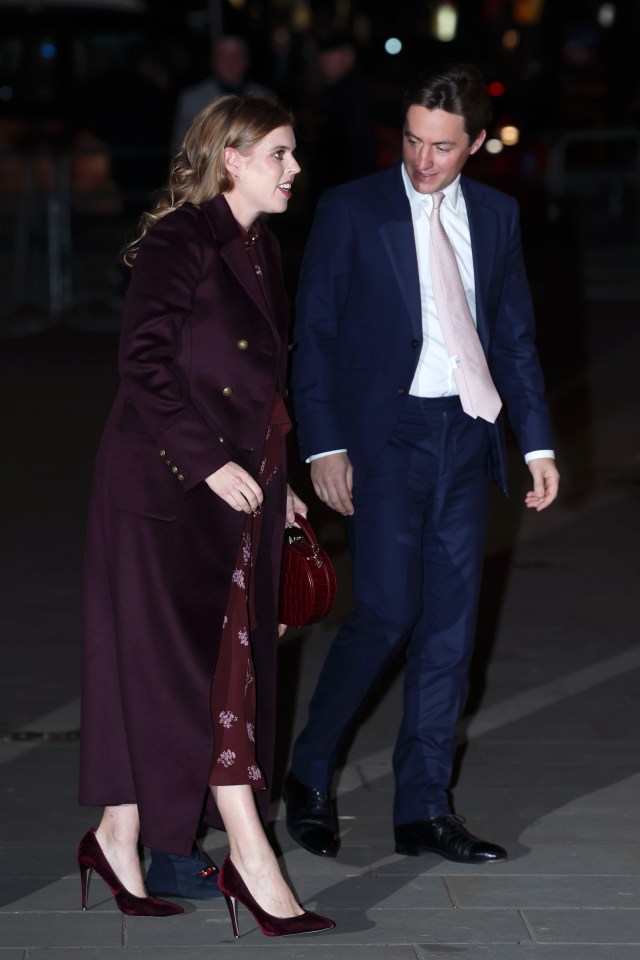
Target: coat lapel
(233, 253)
(396, 230)
(483, 231)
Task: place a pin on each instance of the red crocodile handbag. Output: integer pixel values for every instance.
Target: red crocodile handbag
(308, 580)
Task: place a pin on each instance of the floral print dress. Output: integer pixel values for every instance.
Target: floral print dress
(233, 690)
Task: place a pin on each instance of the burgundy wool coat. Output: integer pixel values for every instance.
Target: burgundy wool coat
(201, 358)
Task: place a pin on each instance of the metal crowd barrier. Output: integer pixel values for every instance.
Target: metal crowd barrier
(63, 222)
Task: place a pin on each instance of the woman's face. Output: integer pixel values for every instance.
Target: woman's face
(263, 177)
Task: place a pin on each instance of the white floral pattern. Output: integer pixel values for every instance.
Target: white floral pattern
(251, 732)
(254, 772)
(243, 637)
(227, 718)
(238, 578)
(227, 758)
(246, 549)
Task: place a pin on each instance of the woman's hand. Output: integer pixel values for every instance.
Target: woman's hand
(294, 505)
(236, 487)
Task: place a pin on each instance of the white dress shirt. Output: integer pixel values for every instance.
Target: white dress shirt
(434, 373)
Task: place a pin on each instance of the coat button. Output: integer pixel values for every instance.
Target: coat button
(227, 391)
(180, 477)
(415, 343)
(221, 439)
(163, 453)
(243, 344)
(174, 469)
(290, 347)
(401, 390)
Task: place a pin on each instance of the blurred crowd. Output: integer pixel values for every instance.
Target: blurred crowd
(133, 91)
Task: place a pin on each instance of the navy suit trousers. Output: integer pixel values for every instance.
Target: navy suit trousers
(417, 542)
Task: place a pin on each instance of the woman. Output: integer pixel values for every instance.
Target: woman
(186, 524)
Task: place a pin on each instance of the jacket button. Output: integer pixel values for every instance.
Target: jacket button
(243, 344)
(401, 390)
(415, 343)
(168, 461)
(227, 391)
(174, 469)
(221, 439)
(163, 453)
(290, 346)
(180, 477)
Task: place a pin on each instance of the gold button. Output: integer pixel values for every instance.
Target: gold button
(290, 346)
(227, 391)
(174, 469)
(243, 344)
(180, 477)
(168, 461)
(163, 453)
(221, 439)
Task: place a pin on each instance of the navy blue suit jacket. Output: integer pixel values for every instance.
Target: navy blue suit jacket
(359, 323)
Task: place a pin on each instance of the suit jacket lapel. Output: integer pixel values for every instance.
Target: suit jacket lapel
(396, 230)
(483, 231)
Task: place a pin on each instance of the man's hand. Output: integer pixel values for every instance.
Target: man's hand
(545, 483)
(236, 487)
(332, 479)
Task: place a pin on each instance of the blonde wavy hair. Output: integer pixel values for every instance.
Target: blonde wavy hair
(198, 172)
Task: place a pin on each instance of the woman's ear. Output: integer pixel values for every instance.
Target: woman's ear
(232, 162)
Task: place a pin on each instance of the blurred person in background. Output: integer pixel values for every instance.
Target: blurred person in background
(340, 118)
(230, 62)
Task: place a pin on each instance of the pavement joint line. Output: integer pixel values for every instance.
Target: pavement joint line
(562, 688)
(57, 724)
(527, 925)
(530, 701)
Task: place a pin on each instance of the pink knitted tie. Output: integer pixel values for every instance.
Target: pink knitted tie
(478, 394)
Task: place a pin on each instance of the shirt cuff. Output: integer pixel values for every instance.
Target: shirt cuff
(538, 454)
(317, 456)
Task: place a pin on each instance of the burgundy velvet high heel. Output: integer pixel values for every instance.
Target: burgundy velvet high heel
(234, 889)
(91, 857)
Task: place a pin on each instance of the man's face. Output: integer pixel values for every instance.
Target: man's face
(435, 148)
(230, 62)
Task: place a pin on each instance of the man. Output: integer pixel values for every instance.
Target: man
(343, 113)
(397, 397)
(229, 66)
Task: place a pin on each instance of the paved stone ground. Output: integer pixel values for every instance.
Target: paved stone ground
(550, 758)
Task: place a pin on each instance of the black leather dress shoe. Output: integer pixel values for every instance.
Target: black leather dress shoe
(311, 818)
(447, 837)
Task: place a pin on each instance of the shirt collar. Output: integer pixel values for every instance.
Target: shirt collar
(420, 201)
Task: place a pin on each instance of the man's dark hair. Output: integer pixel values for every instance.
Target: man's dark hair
(457, 88)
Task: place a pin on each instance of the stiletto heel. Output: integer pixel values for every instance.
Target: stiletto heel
(232, 906)
(85, 877)
(91, 858)
(234, 889)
